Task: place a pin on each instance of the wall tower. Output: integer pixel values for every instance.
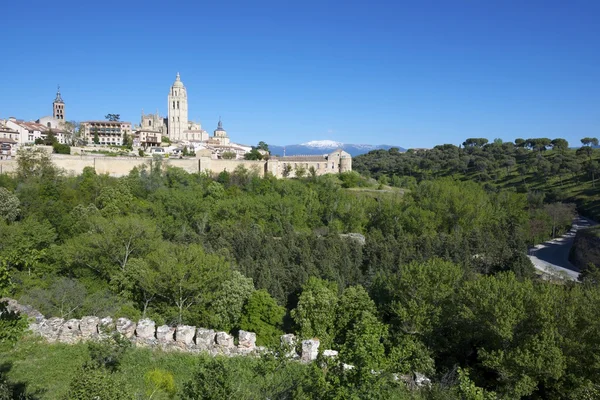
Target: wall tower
(178, 110)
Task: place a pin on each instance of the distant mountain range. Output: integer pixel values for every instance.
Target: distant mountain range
(317, 147)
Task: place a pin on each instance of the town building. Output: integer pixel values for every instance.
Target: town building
(335, 162)
(108, 132)
(145, 138)
(8, 133)
(28, 131)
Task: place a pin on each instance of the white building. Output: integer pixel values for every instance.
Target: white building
(108, 132)
(28, 131)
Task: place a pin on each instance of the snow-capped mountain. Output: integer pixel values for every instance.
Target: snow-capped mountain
(328, 144)
(318, 147)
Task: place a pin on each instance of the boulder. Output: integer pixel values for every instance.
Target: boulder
(247, 340)
(330, 353)
(310, 350)
(185, 334)
(49, 329)
(146, 328)
(288, 342)
(126, 327)
(106, 323)
(165, 334)
(359, 238)
(224, 340)
(89, 327)
(69, 332)
(421, 380)
(205, 339)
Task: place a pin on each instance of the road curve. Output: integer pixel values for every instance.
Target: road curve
(552, 257)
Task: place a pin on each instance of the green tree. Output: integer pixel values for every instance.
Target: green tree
(9, 205)
(228, 155)
(363, 346)
(35, 163)
(560, 145)
(109, 245)
(516, 338)
(253, 154)
(12, 324)
(352, 304)
(316, 304)
(96, 138)
(589, 141)
(263, 316)
(186, 276)
(113, 117)
(262, 146)
(230, 299)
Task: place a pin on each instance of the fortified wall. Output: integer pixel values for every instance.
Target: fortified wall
(145, 333)
(336, 162)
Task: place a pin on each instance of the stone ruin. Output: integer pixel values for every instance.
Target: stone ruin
(145, 333)
(182, 338)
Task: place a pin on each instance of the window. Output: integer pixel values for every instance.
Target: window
(178, 105)
(177, 119)
(48, 125)
(149, 123)
(173, 104)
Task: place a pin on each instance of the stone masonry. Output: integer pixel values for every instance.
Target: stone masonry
(145, 333)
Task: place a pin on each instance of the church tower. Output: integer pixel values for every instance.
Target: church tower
(220, 134)
(178, 110)
(58, 107)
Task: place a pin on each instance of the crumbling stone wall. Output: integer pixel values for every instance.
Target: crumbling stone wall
(145, 333)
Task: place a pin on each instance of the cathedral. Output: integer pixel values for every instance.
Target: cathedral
(181, 131)
(177, 126)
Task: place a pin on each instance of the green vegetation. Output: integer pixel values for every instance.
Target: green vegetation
(441, 285)
(536, 166)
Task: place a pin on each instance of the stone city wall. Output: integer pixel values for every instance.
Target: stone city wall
(145, 333)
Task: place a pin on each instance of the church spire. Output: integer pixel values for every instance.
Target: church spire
(58, 99)
(178, 78)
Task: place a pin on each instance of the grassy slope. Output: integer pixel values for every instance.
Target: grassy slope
(45, 370)
(577, 189)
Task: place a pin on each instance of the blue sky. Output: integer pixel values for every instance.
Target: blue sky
(413, 74)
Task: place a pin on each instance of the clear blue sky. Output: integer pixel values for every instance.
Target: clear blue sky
(413, 74)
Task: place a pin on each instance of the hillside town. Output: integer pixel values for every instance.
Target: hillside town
(174, 136)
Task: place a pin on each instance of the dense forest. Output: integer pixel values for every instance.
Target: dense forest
(440, 286)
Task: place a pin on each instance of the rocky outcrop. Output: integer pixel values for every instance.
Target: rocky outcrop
(310, 350)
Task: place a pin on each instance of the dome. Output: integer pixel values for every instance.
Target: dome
(178, 82)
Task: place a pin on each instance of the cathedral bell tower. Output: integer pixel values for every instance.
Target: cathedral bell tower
(178, 111)
(58, 107)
